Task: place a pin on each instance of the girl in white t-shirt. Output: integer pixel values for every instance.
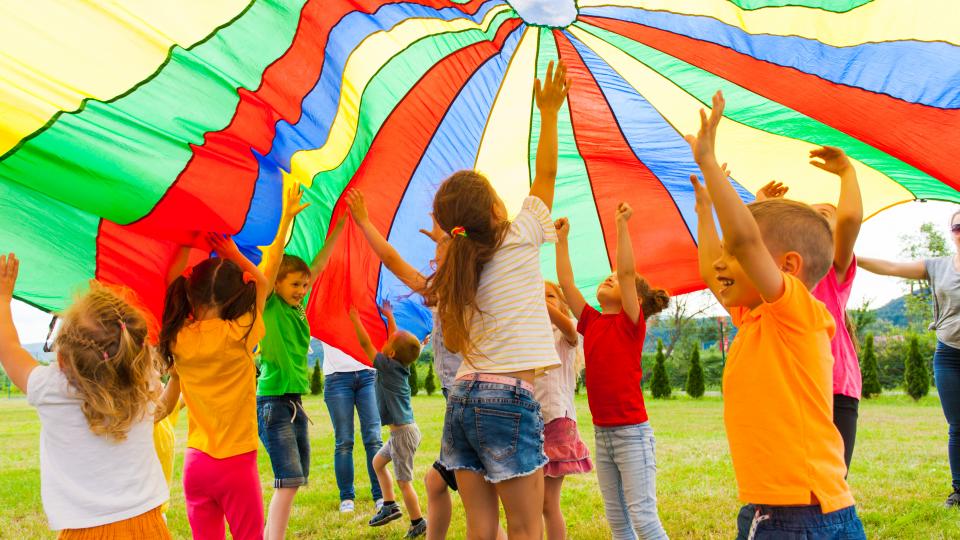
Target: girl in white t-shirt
(488, 294)
(99, 472)
(554, 390)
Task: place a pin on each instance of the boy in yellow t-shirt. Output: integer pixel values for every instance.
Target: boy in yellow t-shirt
(778, 388)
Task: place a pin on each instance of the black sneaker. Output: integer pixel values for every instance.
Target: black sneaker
(419, 529)
(953, 501)
(387, 513)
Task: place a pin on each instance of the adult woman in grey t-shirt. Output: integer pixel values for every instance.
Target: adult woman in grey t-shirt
(943, 274)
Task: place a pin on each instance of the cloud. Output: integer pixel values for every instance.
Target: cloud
(546, 12)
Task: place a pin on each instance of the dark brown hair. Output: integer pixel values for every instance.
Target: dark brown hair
(291, 264)
(794, 226)
(652, 301)
(213, 283)
(466, 200)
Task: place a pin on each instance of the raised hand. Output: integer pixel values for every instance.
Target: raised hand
(437, 233)
(772, 190)
(703, 204)
(224, 246)
(624, 212)
(726, 171)
(386, 308)
(550, 94)
(357, 205)
(833, 159)
(9, 268)
(704, 142)
(354, 314)
(292, 205)
(563, 229)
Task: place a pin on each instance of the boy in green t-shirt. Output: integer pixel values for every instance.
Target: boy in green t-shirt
(282, 422)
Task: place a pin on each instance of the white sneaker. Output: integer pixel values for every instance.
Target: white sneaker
(379, 504)
(346, 506)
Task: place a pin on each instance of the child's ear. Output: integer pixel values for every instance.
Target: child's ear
(792, 263)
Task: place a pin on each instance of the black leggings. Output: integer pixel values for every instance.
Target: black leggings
(845, 412)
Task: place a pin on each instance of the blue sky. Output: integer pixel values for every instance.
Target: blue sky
(546, 12)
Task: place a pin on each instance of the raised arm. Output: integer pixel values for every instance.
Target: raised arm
(626, 264)
(227, 248)
(905, 270)
(387, 309)
(566, 325)
(273, 255)
(565, 270)
(741, 235)
(849, 206)
(390, 257)
(362, 336)
(549, 97)
(323, 256)
(178, 264)
(16, 361)
(708, 241)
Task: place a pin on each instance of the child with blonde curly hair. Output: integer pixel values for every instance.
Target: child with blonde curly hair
(99, 473)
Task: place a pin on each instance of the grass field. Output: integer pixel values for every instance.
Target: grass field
(899, 477)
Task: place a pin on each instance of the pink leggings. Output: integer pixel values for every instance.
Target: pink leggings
(217, 488)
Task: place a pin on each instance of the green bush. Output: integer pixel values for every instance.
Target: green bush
(430, 383)
(868, 367)
(414, 382)
(915, 375)
(660, 382)
(695, 386)
(316, 380)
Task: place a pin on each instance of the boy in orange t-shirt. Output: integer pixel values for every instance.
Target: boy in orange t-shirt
(778, 381)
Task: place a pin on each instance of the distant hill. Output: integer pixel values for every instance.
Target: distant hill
(894, 311)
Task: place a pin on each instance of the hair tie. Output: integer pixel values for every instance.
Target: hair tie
(458, 231)
(247, 278)
(106, 357)
(123, 325)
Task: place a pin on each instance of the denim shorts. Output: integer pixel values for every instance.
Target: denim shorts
(798, 523)
(282, 425)
(492, 429)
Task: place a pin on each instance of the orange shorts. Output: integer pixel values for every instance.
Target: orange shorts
(147, 526)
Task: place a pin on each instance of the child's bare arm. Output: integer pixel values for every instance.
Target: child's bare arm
(390, 257)
(905, 270)
(169, 397)
(549, 97)
(323, 256)
(178, 264)
(227, 248)
(387, 310)
(362, 336)
(708, 241)
(849, 206)
(566, 325)
(16, 361)
(741, 235)
(565, 270)
(626, 265)
(273, 256)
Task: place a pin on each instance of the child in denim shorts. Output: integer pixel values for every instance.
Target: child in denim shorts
(393, 398)
(284, 374)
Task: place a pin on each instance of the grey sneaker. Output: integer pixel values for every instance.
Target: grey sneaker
(953, 501)
(419, 529)
(386, 514)
(346, 506)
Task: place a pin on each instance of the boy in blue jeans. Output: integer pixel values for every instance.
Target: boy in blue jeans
(393, 398)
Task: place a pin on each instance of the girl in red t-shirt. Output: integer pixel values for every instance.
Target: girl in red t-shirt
(612, 344)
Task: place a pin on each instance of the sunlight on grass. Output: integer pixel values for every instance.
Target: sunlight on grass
(900, 475)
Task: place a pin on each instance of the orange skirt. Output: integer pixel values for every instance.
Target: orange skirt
(146, 526)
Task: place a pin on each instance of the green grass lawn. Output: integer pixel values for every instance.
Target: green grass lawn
(900, 475)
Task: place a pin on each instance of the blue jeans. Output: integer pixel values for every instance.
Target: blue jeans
(342, 392)
(492, 429)
(282, 425)
(799, 523)
(627, 472)
(946, 374)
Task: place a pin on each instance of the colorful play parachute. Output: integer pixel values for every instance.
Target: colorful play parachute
(128, 127)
